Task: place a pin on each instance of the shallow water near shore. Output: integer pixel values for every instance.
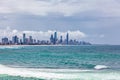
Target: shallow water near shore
(60, 62)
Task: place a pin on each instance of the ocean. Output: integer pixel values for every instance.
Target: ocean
(92, 62)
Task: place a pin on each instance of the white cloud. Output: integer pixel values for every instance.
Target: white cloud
(14, 31)
(65, 7)
(41, 35)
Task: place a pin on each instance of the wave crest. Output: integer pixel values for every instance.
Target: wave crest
(99, 67)
(11, 47)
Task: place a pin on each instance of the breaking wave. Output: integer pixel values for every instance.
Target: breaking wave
(58, 74)
(11, 47)
(99, 67)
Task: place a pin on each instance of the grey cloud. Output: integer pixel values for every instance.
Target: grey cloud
(66, 7)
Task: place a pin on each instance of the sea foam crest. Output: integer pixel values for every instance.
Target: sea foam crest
(98, 67)
(11, 47)
(49, 75)
(31, 73)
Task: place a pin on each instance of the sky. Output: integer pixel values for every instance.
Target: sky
(95, 21)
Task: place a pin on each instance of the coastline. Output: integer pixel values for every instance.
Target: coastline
(45, 45)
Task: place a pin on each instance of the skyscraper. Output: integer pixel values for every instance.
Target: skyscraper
(15, 40)
(61, 40)
(30, 40)
(55, 38)
(24, 38)
(67, 38)
(20, 41)
(51, 39)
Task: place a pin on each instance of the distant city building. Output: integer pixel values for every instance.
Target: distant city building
(15, 40)
(20, 41)
(5, 40)
(52, 39)
(67, 39)
(10, 42)
(34, 41)
(61, 40)
(55, 38)
(27, 41)
(24, 38)
(30, 40)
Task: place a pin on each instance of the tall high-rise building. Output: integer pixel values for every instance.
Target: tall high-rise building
(55, 38)
(61, 40)
(20, 41)
(51, 39)
(30, 40)
(15, 40)
(67, 38)
(24, 38)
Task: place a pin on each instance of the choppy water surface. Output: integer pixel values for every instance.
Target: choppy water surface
(60, 62)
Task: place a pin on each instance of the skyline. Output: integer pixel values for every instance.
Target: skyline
(54, 39)
(41, 35)
(94, 21)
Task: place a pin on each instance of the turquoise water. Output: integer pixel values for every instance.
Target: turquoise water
(60, 62)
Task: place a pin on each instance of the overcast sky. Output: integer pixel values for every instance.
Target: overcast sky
(96, 21)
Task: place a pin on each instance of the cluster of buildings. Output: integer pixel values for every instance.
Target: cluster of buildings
(53, 41)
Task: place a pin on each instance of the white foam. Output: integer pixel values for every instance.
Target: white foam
(11, 47)
(98, 67)
(55, 74)
(30, 73)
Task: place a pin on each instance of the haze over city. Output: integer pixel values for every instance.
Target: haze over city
(89, 20)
